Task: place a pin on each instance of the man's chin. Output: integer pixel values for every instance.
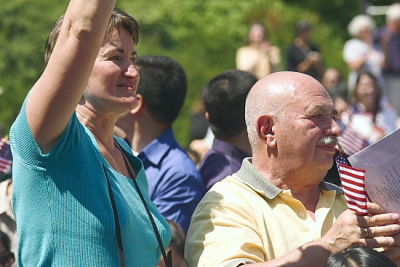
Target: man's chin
(327, 165)
(130, 101)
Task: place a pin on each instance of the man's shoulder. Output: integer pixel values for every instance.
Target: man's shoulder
(228, 184)
(169, 155)
(229, 191)
(178, 169)
(178, 159)
(213, 158)
(223, 154)
(216, 166)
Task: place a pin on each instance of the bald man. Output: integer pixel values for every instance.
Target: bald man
(276, 210)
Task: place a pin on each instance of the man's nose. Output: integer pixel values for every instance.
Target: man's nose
(335, 128)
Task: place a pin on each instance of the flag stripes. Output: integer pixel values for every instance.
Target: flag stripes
(353, 187)
(352, 141)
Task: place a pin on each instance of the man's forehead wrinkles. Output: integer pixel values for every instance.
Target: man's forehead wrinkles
(319, 108)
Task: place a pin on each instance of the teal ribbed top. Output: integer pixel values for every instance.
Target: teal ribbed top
(62, 205)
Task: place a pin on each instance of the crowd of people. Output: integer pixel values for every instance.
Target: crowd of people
(98, 178)
(366, 104)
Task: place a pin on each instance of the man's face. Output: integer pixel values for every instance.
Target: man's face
(303, 124)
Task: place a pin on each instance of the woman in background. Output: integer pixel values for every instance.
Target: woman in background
(258, 56)
(369, 115)
(360, 52)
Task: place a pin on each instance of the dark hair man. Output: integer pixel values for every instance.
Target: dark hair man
(175, 184)
(224, 98)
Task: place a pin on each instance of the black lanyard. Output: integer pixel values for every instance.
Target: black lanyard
(166, 256)
(116, 221)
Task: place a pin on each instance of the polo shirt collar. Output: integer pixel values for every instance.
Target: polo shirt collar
(156, 150)
(255, 180)
(258, 182)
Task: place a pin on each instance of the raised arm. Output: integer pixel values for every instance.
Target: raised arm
(55, 95)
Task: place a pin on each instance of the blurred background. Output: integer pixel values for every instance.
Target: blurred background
(202, 35)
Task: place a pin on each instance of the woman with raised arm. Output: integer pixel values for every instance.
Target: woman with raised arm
(80, 196)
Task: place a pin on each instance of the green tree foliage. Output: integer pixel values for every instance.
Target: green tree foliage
(202, 35)
(24, 26)
(336, 13)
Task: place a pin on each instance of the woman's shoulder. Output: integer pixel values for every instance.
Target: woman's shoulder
(246, 49)
(355, 45)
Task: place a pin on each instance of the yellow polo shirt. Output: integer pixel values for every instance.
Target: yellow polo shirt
(246, 219)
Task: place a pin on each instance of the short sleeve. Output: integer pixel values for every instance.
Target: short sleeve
(25, 147)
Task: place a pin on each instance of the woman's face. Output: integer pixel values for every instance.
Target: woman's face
(114, 79)
(366, 34)
(256, 34)
(366, 91)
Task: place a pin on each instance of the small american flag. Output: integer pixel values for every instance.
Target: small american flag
(352, 141)
(353, 185)
(5, 156)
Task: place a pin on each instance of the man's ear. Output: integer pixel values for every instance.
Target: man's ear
(265, 132)
(139, 106)
(207, 116)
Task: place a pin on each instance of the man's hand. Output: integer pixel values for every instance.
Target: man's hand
(374, 230)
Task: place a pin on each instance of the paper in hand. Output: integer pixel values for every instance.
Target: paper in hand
(381, 161)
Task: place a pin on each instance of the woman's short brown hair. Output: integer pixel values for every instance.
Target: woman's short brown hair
(118, 20)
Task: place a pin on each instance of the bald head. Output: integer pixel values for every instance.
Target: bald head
(273, 94)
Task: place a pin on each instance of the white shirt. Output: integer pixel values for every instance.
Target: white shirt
(354, 50)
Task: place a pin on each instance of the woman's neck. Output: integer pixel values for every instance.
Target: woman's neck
(367, 107)
(102, 127)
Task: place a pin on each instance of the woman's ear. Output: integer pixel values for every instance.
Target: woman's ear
(139, 105)
(265, 125)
